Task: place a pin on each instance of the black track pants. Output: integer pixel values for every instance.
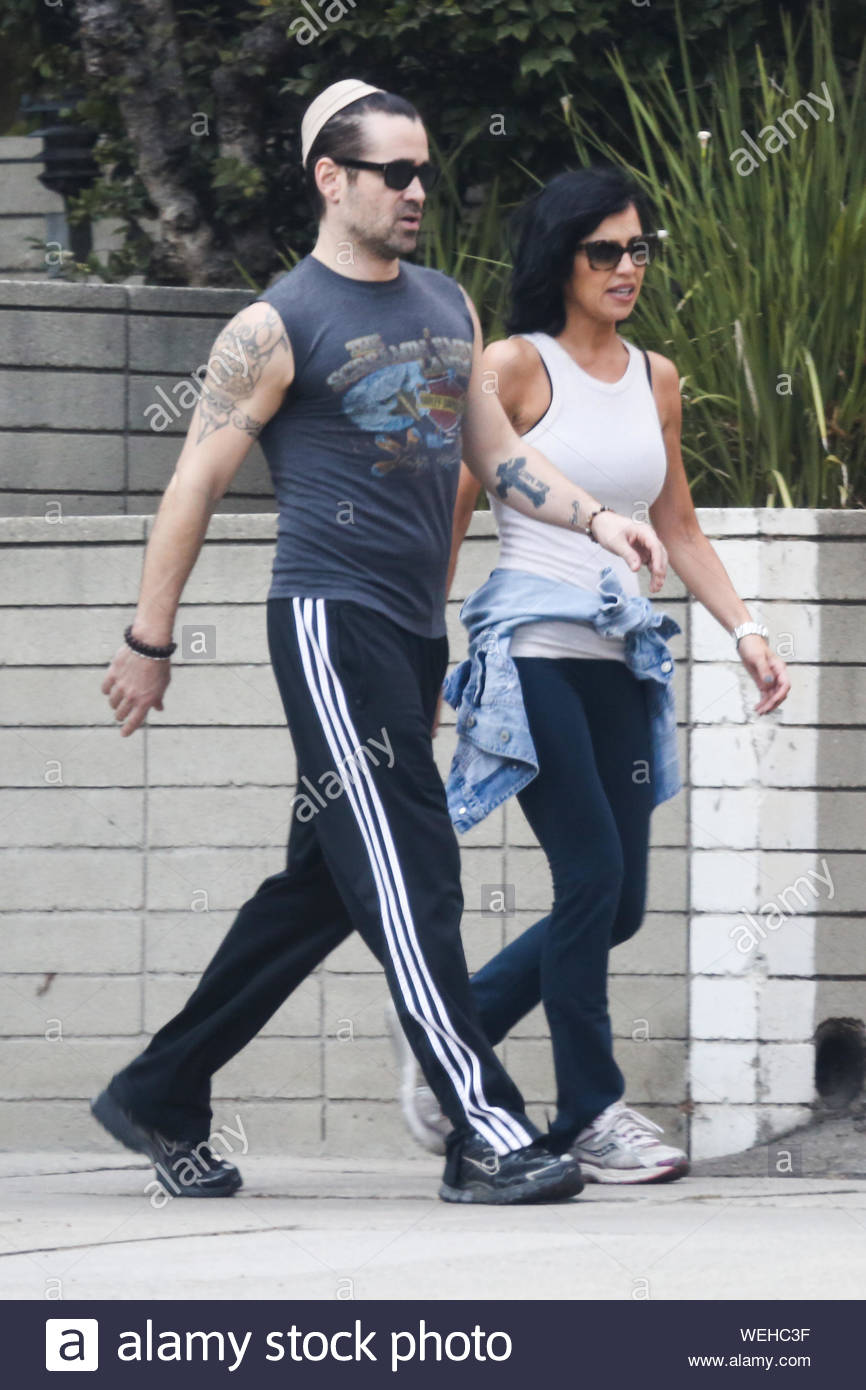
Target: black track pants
(371, 847)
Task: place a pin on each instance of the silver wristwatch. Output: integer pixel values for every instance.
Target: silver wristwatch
(746, 629)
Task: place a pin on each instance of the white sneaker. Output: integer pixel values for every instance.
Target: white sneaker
(620, 1146)
(420, 1107)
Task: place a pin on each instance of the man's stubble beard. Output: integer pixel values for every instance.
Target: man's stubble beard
(386, 247)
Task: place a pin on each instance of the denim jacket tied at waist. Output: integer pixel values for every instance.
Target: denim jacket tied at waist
(495, 754)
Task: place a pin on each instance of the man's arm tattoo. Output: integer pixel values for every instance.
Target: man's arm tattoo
(234, 370)
(513, 474)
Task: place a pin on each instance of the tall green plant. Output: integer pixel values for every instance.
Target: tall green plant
(760, 298)
(464, 238)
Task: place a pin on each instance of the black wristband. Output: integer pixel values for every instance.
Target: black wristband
(145, 648)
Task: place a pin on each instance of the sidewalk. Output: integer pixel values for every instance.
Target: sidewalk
(83, 1227)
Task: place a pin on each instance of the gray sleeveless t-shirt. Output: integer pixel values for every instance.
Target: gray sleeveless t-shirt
(364, 451)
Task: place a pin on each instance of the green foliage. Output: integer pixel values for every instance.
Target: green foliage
(764, 275)
(760, 297)
(233, 184)
(463, 62)
(458, 58)
(38, 56)
(462, 236)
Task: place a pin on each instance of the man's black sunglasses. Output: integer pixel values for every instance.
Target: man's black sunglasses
(606, 255)
(397, 173)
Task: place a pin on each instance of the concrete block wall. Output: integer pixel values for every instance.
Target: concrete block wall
(776, 826)
(123, 861)
(26, 207)
(79, 366)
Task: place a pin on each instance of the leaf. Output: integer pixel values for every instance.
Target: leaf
(783, 488)
(521, 30)
(816, 398)
(535, 62)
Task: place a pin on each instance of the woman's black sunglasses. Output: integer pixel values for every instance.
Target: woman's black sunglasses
(398, 173)
(606, 255)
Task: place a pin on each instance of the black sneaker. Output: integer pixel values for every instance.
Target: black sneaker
(183, 1168)
(474, 1172)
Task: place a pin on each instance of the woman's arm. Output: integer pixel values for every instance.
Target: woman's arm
(692, 556)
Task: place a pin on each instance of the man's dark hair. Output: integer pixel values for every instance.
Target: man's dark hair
(545, 233)
(343, 136)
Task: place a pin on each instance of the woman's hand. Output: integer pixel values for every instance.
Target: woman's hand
(767, 670)
(635, 541)
(134, 685)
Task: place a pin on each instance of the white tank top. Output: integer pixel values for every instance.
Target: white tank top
(605, 436)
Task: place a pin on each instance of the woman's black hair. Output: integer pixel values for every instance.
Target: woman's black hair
(343, 136)
(545, 232)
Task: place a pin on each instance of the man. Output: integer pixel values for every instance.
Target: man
(362, 374)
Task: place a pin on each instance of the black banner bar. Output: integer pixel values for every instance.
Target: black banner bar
(453, 1344)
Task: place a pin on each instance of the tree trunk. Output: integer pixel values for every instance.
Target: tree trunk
(131, 47)
(237, 88)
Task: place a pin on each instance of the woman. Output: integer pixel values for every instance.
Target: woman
(609, 417)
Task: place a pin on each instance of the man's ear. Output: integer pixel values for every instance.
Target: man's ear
(328, 176)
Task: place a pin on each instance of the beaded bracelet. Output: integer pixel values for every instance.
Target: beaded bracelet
(146, 649)
(596, 513)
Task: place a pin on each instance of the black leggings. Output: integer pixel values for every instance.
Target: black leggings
(589, 807)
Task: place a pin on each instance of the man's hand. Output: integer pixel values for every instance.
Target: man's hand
(134, 685)
(767, 670)
(635, 541)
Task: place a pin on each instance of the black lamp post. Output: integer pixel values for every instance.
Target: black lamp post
(69, 168)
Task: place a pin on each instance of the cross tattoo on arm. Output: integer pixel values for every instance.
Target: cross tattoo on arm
(513, 474)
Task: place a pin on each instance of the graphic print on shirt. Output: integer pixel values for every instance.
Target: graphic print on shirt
(410, 396)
